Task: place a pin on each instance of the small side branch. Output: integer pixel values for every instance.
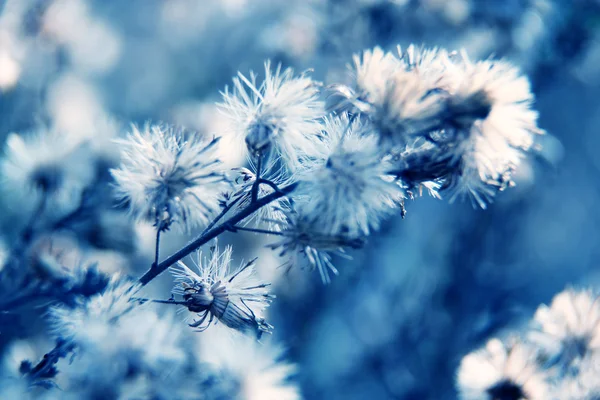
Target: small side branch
(236, 228)
(267, 182)
(214, 232)
(156, 248)
(35, 217)
(46, 369)
(256, 184)
(225, 210)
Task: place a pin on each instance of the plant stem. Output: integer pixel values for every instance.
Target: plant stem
(157, 248)
(236, 228)
(35, 217)
(214, 232)
(256, 184)
(268, 183)
(175, 302)
(222, 214)
(46, 369)
(27, 234)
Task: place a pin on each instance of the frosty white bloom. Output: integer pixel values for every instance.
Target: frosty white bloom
(569, 328)
(59, 268)
(168, 175)
(372, 72)
(302, 242)
(501, 371)
(347, 188)
(92, 318)
(400, 97)
(137, 347)
(42, 164)
(255, 371)
(429, 64)
(476, 118)
(584, 385)
(116, 339)
(491, 120)
(281, 113)
(236, 298)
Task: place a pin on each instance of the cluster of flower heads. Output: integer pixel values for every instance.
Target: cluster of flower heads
(557, 358)
(465, 125)
(418, 119)
(122, 348)
(122, 337)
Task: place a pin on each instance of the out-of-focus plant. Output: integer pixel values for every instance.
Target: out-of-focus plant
(555, 357)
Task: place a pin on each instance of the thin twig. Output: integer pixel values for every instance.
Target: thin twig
(221, 215)
(267, 182)
(19, 249)
(214, 232)
(157, 248)
(256, 184)
(179, 303)
(170, 301)
(35, 217)
(46, 367)
(236, 228)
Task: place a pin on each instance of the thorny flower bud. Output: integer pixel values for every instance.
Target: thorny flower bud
(237, 299)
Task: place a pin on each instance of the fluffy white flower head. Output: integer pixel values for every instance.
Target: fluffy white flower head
(236, 298)
(91, 320)
(476, 118)
(117, 340)
(36, 160)
(501, 372)
(491, 103)
(372, 72)
(43, 165)
(347, 188)
(258, 368)
(168, 175)
(569, 328)
(400, 96)
(281, 114)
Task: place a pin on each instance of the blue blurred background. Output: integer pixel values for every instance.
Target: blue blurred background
(426, 290)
